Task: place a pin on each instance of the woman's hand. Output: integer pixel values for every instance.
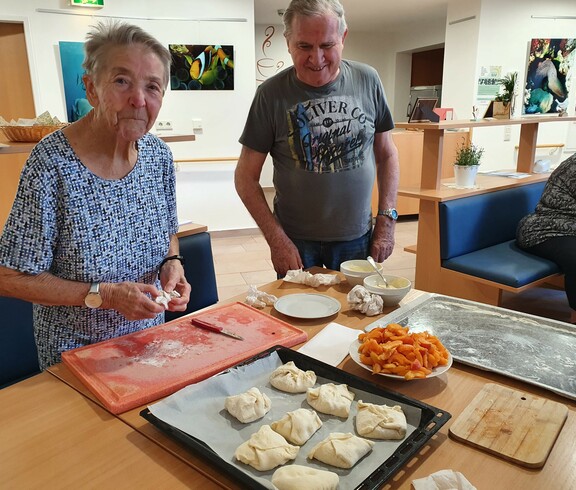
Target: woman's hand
(172, 278)
(133, 300)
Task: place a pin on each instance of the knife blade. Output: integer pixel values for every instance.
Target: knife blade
(214, 328)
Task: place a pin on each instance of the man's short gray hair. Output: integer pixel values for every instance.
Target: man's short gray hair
(309, 8)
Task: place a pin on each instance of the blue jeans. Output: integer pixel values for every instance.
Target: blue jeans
(332, 254)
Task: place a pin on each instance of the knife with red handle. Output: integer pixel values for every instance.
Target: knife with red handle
(214, 328)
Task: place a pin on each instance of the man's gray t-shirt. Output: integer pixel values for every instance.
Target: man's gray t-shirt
(321, 142)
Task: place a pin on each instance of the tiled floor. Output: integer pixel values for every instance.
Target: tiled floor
(242, 258)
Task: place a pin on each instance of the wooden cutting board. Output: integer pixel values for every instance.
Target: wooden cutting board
(135, 369)
(514, 425)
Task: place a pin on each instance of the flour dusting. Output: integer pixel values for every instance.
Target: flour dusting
(159, 352)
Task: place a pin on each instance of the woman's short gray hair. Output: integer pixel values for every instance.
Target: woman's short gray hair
(107, 35)
(309, 8)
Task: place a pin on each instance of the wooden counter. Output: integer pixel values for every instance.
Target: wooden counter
(434, 138)
(452, 391)
(410, 145)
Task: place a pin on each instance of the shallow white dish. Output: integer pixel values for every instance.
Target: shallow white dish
(355, 355)
(307, 305)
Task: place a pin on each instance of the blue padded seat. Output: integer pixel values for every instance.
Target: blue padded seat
(199, 269)
(477, 236)
(504, 263)
(18, 353)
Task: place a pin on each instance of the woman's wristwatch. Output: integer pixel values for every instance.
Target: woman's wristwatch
(93, 298)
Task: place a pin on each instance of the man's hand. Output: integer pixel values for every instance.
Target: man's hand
(382, 244)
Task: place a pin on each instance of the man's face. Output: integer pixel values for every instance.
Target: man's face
(316, 48)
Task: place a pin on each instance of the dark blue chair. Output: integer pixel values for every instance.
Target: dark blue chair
(197, 252)
(18, 353)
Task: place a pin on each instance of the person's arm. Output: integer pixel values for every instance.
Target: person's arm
(130, 299)
(173, 278)
(285, 255)
(387, 174)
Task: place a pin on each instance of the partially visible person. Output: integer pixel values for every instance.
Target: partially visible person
(550, 231)
(91, 237)
(327, 126)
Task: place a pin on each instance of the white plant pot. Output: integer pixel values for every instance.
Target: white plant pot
(465, 176)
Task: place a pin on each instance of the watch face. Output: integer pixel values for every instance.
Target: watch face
(93, 300)
(393, 214)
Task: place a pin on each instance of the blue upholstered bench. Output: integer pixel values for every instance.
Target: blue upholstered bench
(477, 237)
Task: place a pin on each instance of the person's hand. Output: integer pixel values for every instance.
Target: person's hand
(133, 300)
(172, 278)
(285, 255)
(382, 244)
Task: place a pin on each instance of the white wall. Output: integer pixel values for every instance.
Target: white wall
(501, 36)
(205, 191)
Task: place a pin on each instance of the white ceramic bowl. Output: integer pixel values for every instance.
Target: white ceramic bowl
(398, 287)
(356, 270)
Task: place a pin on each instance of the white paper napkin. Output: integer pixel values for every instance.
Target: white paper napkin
(331, 344)
(443, 480)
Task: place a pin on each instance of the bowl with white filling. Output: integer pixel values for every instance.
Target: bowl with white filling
(356, 270)
(392, 292)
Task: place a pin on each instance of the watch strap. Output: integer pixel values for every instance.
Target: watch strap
(171, 257)
(390, 213)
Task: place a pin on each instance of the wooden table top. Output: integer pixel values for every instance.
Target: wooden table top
(53, 437)
(452, 391)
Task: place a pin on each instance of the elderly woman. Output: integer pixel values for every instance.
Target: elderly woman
(91, 238)
(550, 231)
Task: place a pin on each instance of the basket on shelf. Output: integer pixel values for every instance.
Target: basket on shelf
(29, 133)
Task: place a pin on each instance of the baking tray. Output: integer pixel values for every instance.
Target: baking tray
(428, 421)
(532, 349)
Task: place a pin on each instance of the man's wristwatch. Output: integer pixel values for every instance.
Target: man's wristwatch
(390, 212)
(93, 298)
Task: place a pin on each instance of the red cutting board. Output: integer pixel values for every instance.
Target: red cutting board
(135, 369)
(512, 424)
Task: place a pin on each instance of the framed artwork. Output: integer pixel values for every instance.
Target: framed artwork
(71, 58)
(548, 75)
(423, 110)
(201, 67)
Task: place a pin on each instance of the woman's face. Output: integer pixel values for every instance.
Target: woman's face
(316, 48)
(128, 90)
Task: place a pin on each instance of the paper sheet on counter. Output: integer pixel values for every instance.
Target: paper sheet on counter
(331, 344)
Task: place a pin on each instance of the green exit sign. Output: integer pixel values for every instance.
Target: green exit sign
(87, 3)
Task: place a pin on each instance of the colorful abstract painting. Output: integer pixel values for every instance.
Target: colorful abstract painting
(71, 58)
(548, 75)
(201, 67)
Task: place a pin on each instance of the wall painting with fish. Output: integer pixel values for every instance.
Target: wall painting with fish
(201, 67)
(548, 75)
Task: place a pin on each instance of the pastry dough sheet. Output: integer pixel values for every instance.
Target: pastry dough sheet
(199, 411)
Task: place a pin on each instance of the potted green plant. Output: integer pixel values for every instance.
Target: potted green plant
(466, 165)
(504, 101)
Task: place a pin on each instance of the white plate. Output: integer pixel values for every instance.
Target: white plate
(307, 305)
(355, 355)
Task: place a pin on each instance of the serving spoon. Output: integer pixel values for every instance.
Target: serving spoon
(375, 267)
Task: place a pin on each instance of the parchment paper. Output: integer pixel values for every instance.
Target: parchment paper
(199, 411)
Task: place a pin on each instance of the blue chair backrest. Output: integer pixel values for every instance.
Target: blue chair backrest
(197, 252)
(476, 222)
(18, 353)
